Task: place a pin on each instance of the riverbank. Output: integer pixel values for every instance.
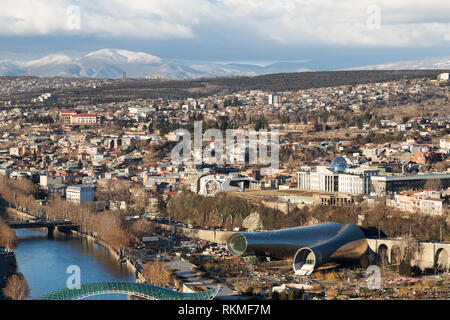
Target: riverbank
(8, 263)
(131, 267)
(19, 214)
(8, 266)
(81, 235)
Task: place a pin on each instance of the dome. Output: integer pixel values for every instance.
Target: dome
(339, 164)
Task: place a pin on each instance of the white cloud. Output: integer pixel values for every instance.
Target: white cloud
(344, 22)
(337, 22)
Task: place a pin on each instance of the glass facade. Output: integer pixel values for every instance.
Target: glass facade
(339, 164)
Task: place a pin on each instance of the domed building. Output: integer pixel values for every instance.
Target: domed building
(339, 164)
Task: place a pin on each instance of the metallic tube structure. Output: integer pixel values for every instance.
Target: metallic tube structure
(349, 244)
(280, 243)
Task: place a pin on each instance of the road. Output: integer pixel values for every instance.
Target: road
(186, 270)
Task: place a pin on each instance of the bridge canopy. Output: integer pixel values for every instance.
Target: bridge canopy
(145, 291)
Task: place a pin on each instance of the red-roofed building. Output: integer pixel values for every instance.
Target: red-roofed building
(427, 202)
(73, 118)
(424, 157)
(66, 116)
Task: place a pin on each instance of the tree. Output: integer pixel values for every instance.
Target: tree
(332, 293)
(16, 287)
(404, 268)
(142, 228)
(439, 166)
(284, 295)
(108, 225)
(275, 295)
(434, 184)
(359, 123)
(404, 292)
(156, 274)
(291, 295)
(162, 204)
(331, 277)
(8, 237)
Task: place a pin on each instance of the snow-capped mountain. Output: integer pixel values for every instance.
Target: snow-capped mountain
(110, 63)
(123, 56)
(425, 64)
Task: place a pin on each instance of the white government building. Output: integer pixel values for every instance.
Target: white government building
(324, 179)
(337, 178)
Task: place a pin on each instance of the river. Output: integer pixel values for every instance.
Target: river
(44, 262)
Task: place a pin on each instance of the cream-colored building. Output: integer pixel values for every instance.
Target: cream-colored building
(324, 179)
(427, 202)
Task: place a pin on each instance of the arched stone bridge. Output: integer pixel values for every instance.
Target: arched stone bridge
(430, 255)
(145, 291)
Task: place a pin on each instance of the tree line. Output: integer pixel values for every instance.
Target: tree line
(229, 211)
(106, 225)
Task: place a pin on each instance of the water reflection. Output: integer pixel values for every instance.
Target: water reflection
(44, 262)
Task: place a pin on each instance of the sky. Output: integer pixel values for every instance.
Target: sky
(329, 34)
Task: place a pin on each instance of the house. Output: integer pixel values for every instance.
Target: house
(426, 202)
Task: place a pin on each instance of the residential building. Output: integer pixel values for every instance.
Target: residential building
(426, 202)
(81, 193)
(85, 119)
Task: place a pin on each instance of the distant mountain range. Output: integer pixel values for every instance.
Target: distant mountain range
(425, 64)
(110, 63)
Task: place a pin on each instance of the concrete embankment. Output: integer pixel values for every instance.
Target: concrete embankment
(215, 236)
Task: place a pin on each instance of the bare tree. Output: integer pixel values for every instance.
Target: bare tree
(16, 287)
(108, 226)
(142, 228)
(434, 184)
(8, 237)
(439, 166)
(410, 249)
(156, 274)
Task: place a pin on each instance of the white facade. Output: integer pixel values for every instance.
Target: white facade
(353, 184)
(418, 202)
(445, 144)
(356, 181)
(274, 99)
(49, 180)
(352, 181)
(323, 179)
(431, 206)
(81, 193)
(443, 76)
(140, 110)
(210, 185)
(85, 119)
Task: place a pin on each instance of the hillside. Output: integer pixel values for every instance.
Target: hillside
(272, 82)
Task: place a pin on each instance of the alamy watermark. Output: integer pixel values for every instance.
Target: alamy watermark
(74, 280)
(373, 21)
(240, 147)
(73, 18)
(373, 277)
